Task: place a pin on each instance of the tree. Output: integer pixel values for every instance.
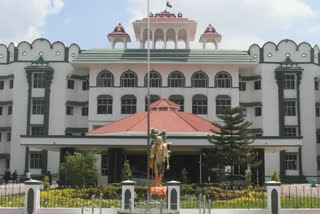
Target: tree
(126, 171)
(275, 176)
(232, 140)
(80, 169)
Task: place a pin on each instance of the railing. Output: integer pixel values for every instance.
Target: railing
(12, 195)
(300, 196)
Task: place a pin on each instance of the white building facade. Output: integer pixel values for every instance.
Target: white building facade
(50, 92)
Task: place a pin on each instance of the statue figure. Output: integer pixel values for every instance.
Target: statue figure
(159, 155)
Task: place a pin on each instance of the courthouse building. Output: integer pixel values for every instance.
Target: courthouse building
(57, 99)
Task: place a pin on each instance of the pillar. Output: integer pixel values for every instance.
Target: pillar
(127, 194)
(204, 44)
(188, 40)
(176, 39)
(141, 39)
(32, 197)
(173, 195)
(165, 39)
(153, 40)
(273, 197)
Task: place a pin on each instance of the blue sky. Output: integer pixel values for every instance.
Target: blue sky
(87, 22)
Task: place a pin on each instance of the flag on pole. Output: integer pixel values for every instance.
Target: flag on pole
(168, 4)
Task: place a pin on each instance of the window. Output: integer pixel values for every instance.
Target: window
(9, 110)
(68, 134)
(153, 98)
(176, 80)
(199, 104)
(290, 131)
(257, 85)
(128, 104)
(8, 136)
(1, 85)
(155, 80)
(105, 79)
(317, 111)
(11, 83)
(37, 131)
(104, 164)
(38, 80)
(69, 110)
(318, 135)
(242, 86)
(199, 80)
(289, 108)
(35, 160)
(223, 80)
(104, 104)
(85, 85)
(290, 159)
(244, 112)
(257, 111)
(84, 111)
(129, 79)
(37, 105)
(0, 110)
(222, 102)
(289, 81)
(70, 84)
(178, 99)
(316, 85)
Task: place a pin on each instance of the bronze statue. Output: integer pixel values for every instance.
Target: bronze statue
(159, 155)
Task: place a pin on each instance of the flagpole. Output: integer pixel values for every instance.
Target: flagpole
(148, 103)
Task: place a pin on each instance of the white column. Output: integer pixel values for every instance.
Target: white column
(113, 44)
(153, 40)
(188, 40)
(176, 39)
(127, 194)
(165, 39)
(125, 44)
(32, 196)
(273, 190)
(204, 44)
(141, 38)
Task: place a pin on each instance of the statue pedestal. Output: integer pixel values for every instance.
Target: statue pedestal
(159, 192)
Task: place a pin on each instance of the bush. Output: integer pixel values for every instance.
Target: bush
(80, 170)
(275, 177)
(46, 182)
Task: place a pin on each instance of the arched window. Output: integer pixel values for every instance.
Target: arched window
(223, 80)
(199, 104)
(199, 80)
(104, 104)
(153, 98)
(222, 102)
(129, 79)
(105, 79)
(128, 104)
(178, 99)
(155, 80)
(176, 80)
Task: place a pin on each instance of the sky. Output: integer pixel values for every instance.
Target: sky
(87, 22)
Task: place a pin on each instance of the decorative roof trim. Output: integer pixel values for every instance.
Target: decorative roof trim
(249, 78)
(76, 103)
(252, 104)
(79, 77)
(5, 129)
(76, 130)
(3, 103)
(10, 76)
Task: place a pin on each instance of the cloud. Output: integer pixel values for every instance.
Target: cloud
(23, 19)
(240, 22)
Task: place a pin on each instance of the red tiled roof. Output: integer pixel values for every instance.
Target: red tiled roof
(171, 121)
(164, 103)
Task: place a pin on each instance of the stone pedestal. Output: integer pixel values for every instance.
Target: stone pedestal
(174, 195)
(273, 197)
(32, 197)
(127, 194)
